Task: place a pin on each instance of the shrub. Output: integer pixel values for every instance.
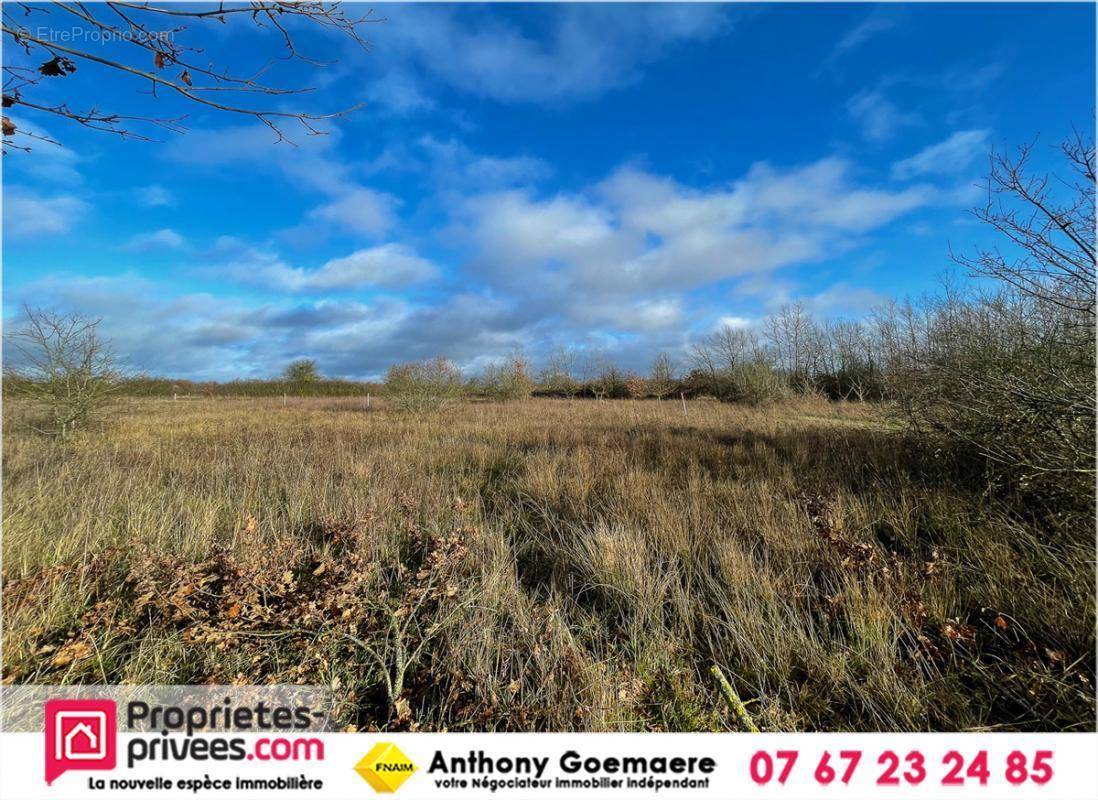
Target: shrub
(635, 386)
(754, 383)
(423, 385)
(609, 383)
(504, 382)
(856, 383)
(1009, 374)
(556, 384)
(302, 371)
(1011, 379)
(63, 364)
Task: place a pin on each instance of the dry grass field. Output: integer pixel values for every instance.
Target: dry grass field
(546, 565)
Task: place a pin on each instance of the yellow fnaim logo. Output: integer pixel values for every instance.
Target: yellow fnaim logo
(385, 767)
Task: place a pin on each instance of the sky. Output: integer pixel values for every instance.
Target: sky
(622, 179)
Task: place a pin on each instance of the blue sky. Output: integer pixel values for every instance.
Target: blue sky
(618, 178)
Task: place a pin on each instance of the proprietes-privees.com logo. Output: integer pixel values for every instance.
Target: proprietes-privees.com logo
(80, 734)
(83, 734)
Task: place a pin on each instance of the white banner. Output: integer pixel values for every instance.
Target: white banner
(285, 764)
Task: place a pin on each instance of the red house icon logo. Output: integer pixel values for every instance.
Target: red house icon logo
(80, 734)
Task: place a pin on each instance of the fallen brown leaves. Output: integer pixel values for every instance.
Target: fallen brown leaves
(988, 635)
(303, 597)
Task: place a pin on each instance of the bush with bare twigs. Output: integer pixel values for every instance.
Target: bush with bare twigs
(423, 385)
(61, 363)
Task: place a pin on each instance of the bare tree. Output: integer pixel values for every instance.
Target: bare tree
(795, 338)
(848, 358)
(156, 48)
(595, 367)
(1050, 222)
(661, 381)
(559, 375)
(731, 345)
(1009, 371)
(63, 364)
(732, 364)
(704, 358)
(727, 348)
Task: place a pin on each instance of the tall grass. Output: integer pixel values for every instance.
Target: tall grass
(547, 564)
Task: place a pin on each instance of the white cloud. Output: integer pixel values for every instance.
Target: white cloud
(822, 196)
(657, 314)
(585, 50)
(873, 25)
(163, 239)
(454, 165)
(398, 93)
(844, 299)
(232, 249)
(313, 165)
(878, 116)
(512, 229)
(733, 322)
(246, 144)
(310, 163)
(641, 316)
(947, 157)
(155, 196)
(390, 266)
(28, 215)
(970, 78)
(359, 210)
(589, 255)
(864, 31)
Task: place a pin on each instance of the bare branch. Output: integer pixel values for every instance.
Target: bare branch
(129, 34)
